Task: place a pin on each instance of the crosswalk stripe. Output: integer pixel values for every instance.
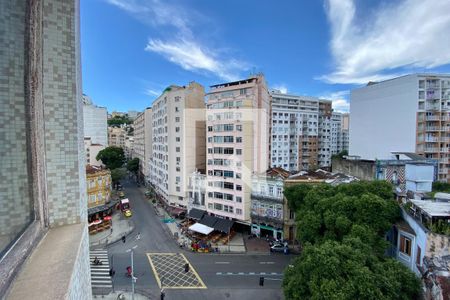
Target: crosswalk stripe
(100, 273)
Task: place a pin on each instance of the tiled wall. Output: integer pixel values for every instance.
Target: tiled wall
(63, 114)
(15, 203)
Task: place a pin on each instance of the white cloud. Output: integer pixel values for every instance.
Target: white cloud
(183, 49)
(404, 35)
(282, 88)
(339, 100)
(152, 93)
(193, 57)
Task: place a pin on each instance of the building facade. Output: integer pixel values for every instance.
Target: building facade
(178, 117)
(43, 216)
(238, 116)
(301, 132)
(409, 113)
(267, 203)
(95, 122)
(91, 150)
(117, 136)
(197, 191)
(142, 146)
(98, 182)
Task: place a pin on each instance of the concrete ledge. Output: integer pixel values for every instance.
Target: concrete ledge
(48, 272)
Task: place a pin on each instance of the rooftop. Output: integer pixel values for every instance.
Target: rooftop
(433, 208)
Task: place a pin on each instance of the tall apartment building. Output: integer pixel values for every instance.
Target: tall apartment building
(95, 122)
(405, 114)
(238, 144)
(339, 132)
(117, 136)
(43, 211)
(178, 117)
(301, 132)
(142, 146)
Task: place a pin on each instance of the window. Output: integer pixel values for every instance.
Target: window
(177, 119)
(228, 185)
(405, 245)
(177, 129)
(210, 206)
(238, 175)
(177, 179)
(239, 127)
(178, 159)
(218, 206)
(177, 139)
(178, 188)
(228, 174)
(228, 150)
(238, 151)
(291, 215)
(238, 211)
(210, 128)
(177, 109)
(238, 139)
(178, 169)
(238, 187)
(177, 149)
(238, 199)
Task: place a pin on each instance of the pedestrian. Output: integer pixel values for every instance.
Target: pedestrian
(111, 230)
(138, 236)
(163, 294)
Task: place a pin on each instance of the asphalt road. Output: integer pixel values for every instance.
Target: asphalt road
(226, 276)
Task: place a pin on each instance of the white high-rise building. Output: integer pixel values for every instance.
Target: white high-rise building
(142, 147)
(301, 132)
(178, 117)
(405, 114)
(95, 122)
(238, 145)
(339, 132)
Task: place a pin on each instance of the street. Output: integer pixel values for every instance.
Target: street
(159, 260)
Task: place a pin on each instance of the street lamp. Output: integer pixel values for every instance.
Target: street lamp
(132, 271)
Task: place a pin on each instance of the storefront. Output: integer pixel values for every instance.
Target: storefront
(263, 230)
(100, 217)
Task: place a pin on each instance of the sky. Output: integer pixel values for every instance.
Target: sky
(133, 49)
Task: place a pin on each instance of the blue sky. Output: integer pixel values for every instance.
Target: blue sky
(133, 49)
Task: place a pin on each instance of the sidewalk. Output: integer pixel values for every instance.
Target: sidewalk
(122, 296)
(120, 227)
(236, 245)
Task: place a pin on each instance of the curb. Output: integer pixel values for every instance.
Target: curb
(110, 242)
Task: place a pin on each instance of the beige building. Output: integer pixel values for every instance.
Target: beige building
(117, 136)
(91, 151)
(142, 146)
(178, 117)
(237, 145)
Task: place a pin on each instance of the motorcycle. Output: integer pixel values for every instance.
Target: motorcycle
(129, 272)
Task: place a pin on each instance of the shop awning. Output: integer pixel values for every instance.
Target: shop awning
(200, 228)
(100, 208)
(208, 220)
(174, 211)
(223, 225)
(196, 214)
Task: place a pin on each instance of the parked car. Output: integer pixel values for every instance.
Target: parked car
(279, 248)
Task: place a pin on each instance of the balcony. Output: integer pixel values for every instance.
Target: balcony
(432, 128)
(267, 198)
(431, 139)
(432, 118)
(445, 150)
(431, 150)
(443, 170)
(266, 219)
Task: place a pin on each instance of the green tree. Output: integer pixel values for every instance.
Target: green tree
(441, 187)
(340, 155)
(347, 270)
(342, 230)
(133, 165)
(119, 120)
(112, 157)
(117, 175)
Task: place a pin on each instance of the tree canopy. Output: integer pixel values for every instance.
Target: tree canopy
(118, 174)
(119, 120)
(112, 157)
(133, 165)
(342, 230)
(340, 154)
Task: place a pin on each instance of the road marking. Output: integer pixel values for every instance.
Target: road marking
(168, 269)
(222, 262)
(248, 274)
(267, 263)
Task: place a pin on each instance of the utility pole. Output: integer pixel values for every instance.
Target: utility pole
(132, 271)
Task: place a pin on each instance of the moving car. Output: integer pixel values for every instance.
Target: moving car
(127, 213)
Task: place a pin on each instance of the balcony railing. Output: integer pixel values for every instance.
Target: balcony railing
(266, 219)
(433, 118)
(443, 170)
(267, 198)
(432, 128)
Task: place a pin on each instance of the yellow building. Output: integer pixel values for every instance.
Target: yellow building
(98, 183)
